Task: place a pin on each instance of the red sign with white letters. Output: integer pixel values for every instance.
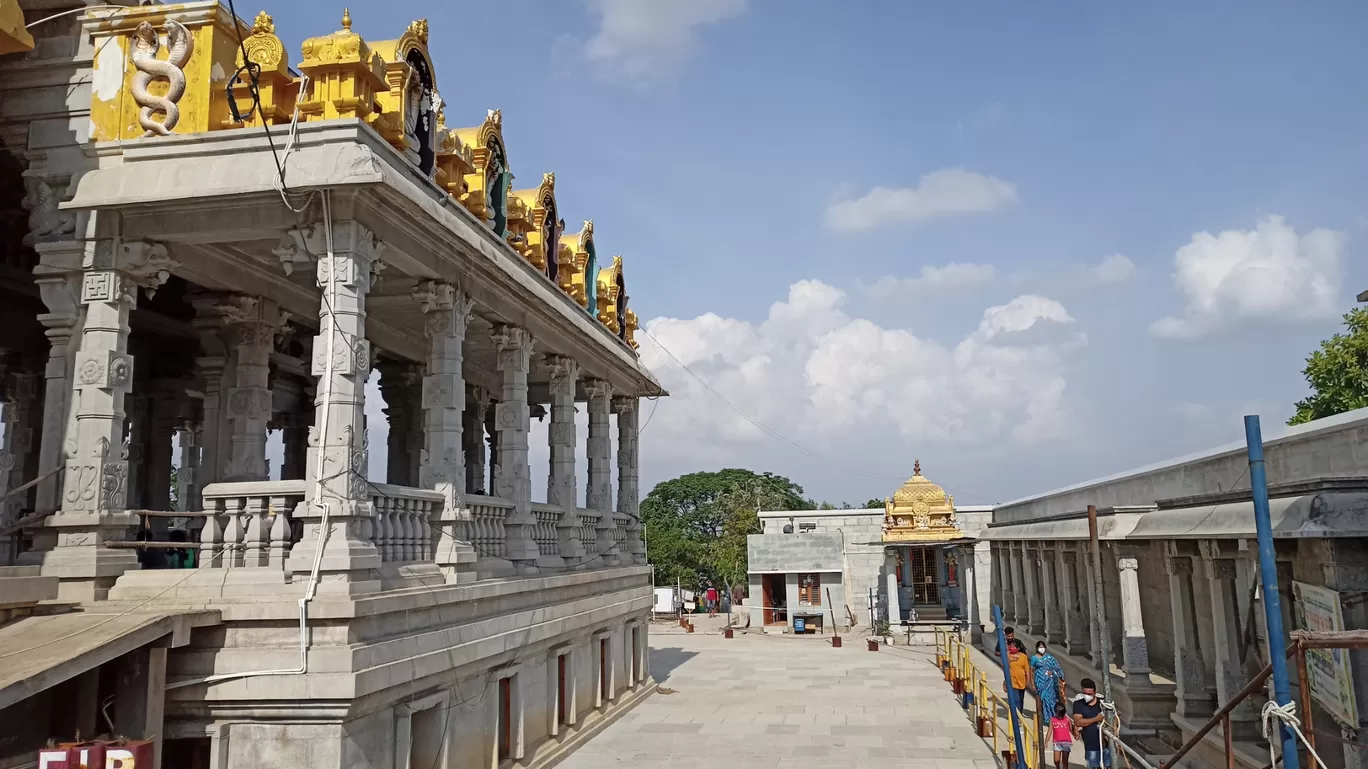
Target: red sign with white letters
(97, 755)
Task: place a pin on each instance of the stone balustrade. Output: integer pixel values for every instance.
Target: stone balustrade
(588, 531)
(250, 525)
(247, 524)
(486, 528)
(544, 533)
(405, 522)
(622, 524)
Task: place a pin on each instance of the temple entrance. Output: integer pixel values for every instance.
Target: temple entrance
(923, 576)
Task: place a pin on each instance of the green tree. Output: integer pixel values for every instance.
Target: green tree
(1337, 372)
(873, 503)
(696, 524)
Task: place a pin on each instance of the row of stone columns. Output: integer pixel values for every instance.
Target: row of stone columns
(435, 433)
(1049, 590)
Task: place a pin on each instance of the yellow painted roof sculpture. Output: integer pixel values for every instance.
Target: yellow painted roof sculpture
(920, 511)
(179, 68)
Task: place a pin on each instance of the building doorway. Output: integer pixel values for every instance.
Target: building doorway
(923, 576)
(774, 595)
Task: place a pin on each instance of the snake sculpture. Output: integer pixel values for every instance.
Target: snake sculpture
(146, 44)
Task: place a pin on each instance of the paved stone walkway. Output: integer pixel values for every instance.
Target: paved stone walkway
(758, 702)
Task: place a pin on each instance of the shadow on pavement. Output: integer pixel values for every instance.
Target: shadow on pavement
(664, 661)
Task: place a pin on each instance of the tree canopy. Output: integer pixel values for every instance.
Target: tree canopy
(696, 524)
(1337, 372)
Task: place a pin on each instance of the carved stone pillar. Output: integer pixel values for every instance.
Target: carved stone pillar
(599, 494)
(1035, 606)
(1226, 624)
(628, 494)
(562, 490)
(512, 476)
(60, 295)
(443, 401)
(477, 406)
(8, 550)
(138, 416)
(1054, 608)
(21, 402)
(401, 385)
(1017, 554)
(338, 452)
(164, 416)
(996, 589)
(892, 590)
(95, 487)
(1134, 646)
(1002, 571)
(491, 427)
(1076, 611)
(295, 437)
(187, 475)
(1195, 697)
(251, 325)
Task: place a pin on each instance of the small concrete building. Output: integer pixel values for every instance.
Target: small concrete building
(1182, 604)
(916, 558)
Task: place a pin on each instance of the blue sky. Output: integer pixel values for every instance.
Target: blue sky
(911, 166)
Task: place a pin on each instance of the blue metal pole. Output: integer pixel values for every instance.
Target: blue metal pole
(1014, 716)
(1272, 599)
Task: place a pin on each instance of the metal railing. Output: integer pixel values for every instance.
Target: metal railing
(1302, 642)
(954, 658)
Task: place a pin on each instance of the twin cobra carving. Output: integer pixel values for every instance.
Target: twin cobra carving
(146, 45)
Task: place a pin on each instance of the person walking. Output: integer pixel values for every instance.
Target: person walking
(1087, 716)
(1020, 667)
(711, 597)
(1062, 736)
(1048, 679)
(1010, 634)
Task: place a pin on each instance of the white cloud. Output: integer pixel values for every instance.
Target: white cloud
(946, 192)
(953, 275)
(1250, 276)
(642, 39)
(1115, 268)
(820, 377)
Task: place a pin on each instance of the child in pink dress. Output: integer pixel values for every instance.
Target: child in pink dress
(1062, 735)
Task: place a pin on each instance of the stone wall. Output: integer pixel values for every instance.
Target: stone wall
(423, 663)
(809, 551)
(1335, 447)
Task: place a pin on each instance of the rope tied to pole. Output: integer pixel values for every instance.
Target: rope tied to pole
(1111, 719)
(1287, 714)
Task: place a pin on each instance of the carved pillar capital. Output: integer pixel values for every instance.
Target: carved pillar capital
(564, 372)
(514, 345)
(446, 307)
(598, 388)
(42, 194)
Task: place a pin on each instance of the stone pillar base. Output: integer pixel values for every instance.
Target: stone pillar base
(85, 569)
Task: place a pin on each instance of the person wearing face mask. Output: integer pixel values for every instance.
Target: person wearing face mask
(1087, 716)
(1048, 678)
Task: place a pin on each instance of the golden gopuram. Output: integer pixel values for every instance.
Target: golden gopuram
(919, 524)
